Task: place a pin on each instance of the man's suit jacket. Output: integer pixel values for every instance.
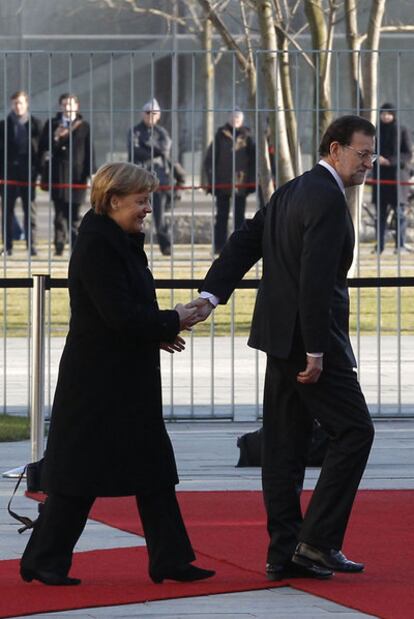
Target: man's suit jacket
(9, 150)
(305, 236)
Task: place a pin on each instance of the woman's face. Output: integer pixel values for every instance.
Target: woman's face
(130, 211)
(387, 116)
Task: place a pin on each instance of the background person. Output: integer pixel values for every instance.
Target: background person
(394, 162)
(21, 153)
(234, 164)
(107, 434)
(305, 236)
(149, 146)
(71, 164)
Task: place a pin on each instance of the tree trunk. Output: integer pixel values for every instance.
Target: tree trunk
(271, 72)
(370, 59)
(291, 122)
(208, 87)
(353, 41)
(319, 32)
(354, 197)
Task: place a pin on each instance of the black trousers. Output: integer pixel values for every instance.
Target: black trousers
(383, 209)
(223, 202)
(337, 402)
(8, 203)
(63, 518)
(66, 218)
(159, 200)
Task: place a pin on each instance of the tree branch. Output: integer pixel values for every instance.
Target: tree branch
(246, 33)
(306, 56)
(112, 4)
(396, 29)
(224, 32)
(194, 16)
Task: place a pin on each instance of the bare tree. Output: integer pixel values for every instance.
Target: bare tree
(322, 36)
(276, 34)
(370, 59)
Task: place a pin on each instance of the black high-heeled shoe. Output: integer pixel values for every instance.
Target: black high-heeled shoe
(182, 573)
(48, 578)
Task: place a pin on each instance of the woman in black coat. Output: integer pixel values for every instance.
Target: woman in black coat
(392, 173)
(107, 435)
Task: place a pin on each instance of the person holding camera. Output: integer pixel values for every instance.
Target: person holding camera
(67, 163)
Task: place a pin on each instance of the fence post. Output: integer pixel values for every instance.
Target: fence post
(37, 422)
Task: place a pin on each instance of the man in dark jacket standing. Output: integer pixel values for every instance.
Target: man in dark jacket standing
(390, 172)
(19, 165)
(149, 146)
(230, 169)
(305, 236)
(68, 161)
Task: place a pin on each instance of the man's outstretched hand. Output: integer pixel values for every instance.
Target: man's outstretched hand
(203, 309)
(187, 316)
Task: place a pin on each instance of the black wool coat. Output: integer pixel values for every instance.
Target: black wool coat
(72, 159)
(400, 165)
(9, 151)
(107, 435)
(231, 144)
(150, 148)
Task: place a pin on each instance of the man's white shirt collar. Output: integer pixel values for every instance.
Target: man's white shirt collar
(334, 173)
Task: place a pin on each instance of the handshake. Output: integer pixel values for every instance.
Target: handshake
(193, 312)
(189, 314)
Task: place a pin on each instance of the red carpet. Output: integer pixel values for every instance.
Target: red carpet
(228, 532)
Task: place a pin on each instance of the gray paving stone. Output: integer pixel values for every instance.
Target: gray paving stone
(281, 603)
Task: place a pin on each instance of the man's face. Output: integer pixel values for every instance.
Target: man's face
(151, 118)
(354, 160)
(236, 119)
(70, 107)
(20, 105)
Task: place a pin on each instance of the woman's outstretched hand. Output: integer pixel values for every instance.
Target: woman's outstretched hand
(176, 346)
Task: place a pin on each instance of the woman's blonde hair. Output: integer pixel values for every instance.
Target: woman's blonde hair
(119, 179)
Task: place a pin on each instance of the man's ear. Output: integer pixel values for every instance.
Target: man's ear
(334, 150)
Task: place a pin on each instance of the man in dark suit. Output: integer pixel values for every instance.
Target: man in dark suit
(305, 236)
(19, 166)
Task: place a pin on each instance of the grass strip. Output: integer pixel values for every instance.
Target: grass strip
(14, 428)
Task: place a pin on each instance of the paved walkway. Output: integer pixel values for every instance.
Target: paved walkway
(206, 455)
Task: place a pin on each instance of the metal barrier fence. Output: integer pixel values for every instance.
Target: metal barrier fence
(219, 377)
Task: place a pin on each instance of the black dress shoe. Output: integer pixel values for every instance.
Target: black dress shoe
(183, 573)
(293, 570)
(332, 559)
(48, 578)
